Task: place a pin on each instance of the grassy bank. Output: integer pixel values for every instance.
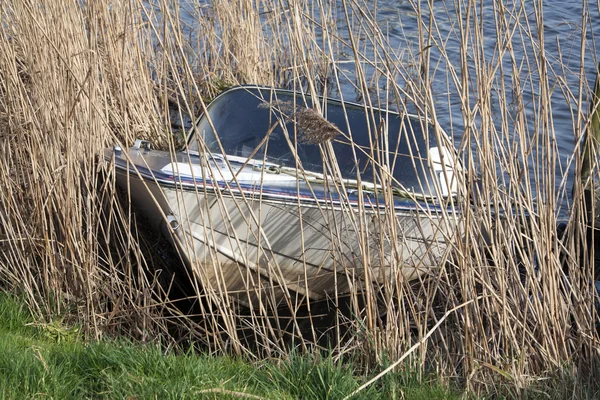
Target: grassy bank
(52, 361)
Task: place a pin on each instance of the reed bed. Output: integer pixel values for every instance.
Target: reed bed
(510, 303)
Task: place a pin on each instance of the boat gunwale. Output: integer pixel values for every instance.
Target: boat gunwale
(274, 192)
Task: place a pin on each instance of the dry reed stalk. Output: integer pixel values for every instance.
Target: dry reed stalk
(72, 83)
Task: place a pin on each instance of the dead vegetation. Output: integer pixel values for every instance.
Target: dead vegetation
(514, 300)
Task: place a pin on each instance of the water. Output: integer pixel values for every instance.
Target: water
(563, 31)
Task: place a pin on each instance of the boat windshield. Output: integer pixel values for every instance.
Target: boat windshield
(273, 126)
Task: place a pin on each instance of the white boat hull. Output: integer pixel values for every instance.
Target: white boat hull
(276, 251)
(272, 202)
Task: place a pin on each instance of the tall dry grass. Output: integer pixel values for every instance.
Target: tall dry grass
(512, 303)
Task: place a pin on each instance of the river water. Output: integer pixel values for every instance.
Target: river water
(565, 23)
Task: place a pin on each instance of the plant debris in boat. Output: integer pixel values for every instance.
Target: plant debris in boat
(314, 129)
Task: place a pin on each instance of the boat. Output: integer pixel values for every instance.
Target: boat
(279, 197)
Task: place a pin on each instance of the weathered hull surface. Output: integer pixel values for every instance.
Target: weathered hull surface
(272, 249)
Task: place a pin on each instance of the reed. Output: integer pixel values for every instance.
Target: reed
(512, 300)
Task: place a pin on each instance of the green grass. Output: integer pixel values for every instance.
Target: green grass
(52, 361)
